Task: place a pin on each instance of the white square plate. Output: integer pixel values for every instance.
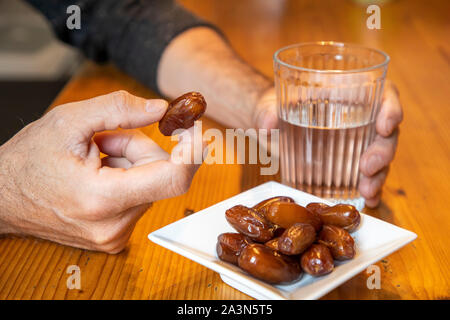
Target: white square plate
(195, 237)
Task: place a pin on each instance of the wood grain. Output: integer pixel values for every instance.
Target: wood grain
(414, 34)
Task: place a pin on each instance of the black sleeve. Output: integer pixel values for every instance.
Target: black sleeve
(131, 33)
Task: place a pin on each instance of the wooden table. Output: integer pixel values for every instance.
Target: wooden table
(414, 33)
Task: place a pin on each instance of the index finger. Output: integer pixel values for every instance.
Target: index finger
(113, 110)
(391, 113)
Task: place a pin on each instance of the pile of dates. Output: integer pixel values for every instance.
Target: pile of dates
(279, 239)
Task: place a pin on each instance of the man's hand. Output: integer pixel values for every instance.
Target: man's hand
(240, 97)
(375, 161)
(54, 185)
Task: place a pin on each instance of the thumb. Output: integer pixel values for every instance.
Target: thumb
(148, 183)
(116, 109)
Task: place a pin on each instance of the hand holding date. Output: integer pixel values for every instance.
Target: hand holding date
(54, 184)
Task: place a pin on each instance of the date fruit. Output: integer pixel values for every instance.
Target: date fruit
(317, 260)
(250, 223)
(264, 205)
(341, 215)
(316, 206)
(230, 245)
(339, 241)
(272, 244)
(296, 239)
(285, 214)
(182, 112)
(269, 265)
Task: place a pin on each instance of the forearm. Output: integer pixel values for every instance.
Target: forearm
(166, 48)
(200, 59)
(131, 34)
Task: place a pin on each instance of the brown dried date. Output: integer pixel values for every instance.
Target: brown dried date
(269, 265)
(317, 260)
(262, 206)
(230, 245)
(248, 222)
(285, 214)
(272, 244)
(316, 206)
(182, 112)
(339, 241)
(341, 215)
(296, 239)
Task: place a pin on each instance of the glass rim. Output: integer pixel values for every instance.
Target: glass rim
(330, 43)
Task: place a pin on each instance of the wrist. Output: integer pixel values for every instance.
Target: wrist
(201, 60)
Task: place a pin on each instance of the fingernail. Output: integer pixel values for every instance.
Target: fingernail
(156, 105)
(390, 123)
(373, 164)
(368, 189)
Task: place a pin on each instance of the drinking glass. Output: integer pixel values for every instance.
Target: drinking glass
(328, 97)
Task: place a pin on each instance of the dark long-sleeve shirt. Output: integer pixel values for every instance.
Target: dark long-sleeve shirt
(131, 33)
